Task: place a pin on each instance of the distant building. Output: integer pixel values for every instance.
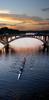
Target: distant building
(30, 33)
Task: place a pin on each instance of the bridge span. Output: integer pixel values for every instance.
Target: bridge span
(5, 39)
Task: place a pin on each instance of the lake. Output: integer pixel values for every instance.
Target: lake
(24, 74)
(34, 81)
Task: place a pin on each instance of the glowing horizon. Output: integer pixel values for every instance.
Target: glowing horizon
(26, 43)
(5, 12)
(11, 20)
(24, 14)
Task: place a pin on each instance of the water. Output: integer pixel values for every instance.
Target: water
(34, 81)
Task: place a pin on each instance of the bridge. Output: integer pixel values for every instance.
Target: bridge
(6, 39)
(8, 36)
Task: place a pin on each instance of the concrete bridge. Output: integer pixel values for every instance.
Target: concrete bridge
(7, 39)
(9, 35)
(43, 36)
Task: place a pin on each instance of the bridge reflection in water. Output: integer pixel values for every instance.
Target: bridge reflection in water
(10, 50)
(24, 44)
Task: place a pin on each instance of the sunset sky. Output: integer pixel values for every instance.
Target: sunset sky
(24, 14)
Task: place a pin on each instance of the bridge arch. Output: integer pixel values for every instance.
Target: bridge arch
(9, 39)
(29, 36)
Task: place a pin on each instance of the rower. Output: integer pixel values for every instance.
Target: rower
(21, 69)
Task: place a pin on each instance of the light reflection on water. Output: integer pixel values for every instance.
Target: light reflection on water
(24, 44)
(33, 81)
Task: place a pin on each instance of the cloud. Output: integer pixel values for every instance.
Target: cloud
(5, 12)
(13, 14)
(21, 22)
(37, 18)
(47, 19)
(45, 9)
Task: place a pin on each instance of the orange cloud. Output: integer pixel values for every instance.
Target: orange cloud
(22, 23)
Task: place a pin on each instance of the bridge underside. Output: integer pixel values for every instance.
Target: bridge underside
(7, 39)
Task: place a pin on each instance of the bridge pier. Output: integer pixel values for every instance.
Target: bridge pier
(7, 49)
(6, 45)
(48, 38)
(44, 38)
(46, 46)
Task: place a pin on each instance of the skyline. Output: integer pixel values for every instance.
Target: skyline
(24, 15)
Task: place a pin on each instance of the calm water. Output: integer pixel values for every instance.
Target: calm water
(34, 81)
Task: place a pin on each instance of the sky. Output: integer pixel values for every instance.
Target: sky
(24, 14)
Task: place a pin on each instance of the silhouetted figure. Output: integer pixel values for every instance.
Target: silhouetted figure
(21, 69)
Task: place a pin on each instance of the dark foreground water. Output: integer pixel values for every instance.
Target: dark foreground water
(34, 81)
